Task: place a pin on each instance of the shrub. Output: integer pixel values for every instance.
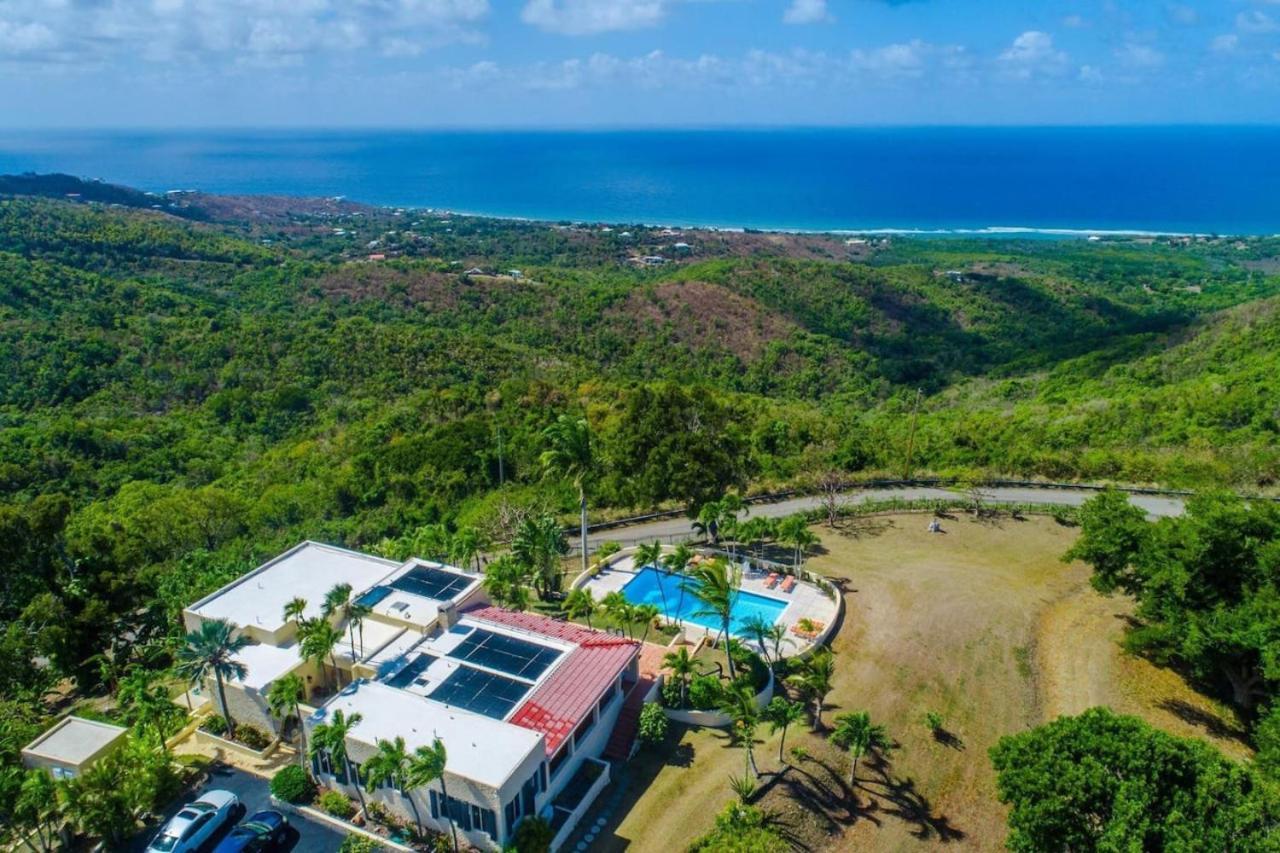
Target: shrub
(337, 804)
(934, 721)
(215, 725)
(607, 550)
(253, 737)
(292, 785)
(533, 835)
(740, 828)
(359, 844)
(704, 692)
(653, 724)
(671, 692)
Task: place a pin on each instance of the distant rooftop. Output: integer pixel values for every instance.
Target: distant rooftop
(74, 740)
(308, 570)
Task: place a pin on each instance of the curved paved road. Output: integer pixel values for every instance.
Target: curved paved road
(674, 529)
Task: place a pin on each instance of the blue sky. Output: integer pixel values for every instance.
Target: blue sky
(596, 63)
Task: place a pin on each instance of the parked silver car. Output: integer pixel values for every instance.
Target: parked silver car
(195, 823)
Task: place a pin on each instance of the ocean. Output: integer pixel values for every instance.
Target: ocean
(949, 180)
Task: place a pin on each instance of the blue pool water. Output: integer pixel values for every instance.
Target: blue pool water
(644, 589)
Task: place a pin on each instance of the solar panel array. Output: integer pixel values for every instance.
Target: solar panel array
(506, 654)
(416, 667)
(432, 583)
(479, 691)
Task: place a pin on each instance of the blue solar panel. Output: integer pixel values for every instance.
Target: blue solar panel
(482, 692)
(412, 670)
(432, 583)
(373, 596)
(505, 654)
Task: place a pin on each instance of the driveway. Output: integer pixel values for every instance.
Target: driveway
(304, 835)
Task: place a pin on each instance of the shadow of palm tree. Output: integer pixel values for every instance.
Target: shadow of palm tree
(899, 798)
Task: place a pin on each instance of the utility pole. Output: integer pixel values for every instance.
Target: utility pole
(911, 434)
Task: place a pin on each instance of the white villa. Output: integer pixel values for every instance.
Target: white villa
(525, 705)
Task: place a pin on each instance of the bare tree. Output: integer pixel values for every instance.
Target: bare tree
(830, 485)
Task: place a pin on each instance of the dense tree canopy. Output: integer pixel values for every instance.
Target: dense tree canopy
(1105, 782)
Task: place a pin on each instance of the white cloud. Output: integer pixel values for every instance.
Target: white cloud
(254, 32)
(807, 12)
(1140, 56)
(1090, 74)
(1255, 21)
(26, 38)
(1226, 43)
(588, 17)
(1033, 54)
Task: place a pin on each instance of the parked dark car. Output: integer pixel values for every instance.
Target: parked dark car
(265, 830)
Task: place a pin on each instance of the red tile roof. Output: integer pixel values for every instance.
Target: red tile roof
(572, 689)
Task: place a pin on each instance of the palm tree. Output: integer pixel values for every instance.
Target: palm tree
(319, 640)
(677, 562)
(294, 610)
(681, 664)
(571, 456)
(579, 603)
(615, 604)
(715, 583)
(781, 713)
(707, 524)
(391, 761)
(651, 555)
(211, 650)
(814, 681)
(430, 541)
(464, 548)
(146, 704)
(338, 601)
(856, 733)
(738, 702)
(331, 738)
(37, 806)
(505, 580)
(759, 629)
(775, 635)
(730, 505)
(426, 765)
(283, 699)
(794, 530)
(538, 545)
(645, 613)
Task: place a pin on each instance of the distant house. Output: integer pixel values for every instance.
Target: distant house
(377, 256)
(653, 260)
(682, 247)
(474, 271)
(515, 273)
(72, 746)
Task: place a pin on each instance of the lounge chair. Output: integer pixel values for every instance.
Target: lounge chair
(789, 584)
(771, 581)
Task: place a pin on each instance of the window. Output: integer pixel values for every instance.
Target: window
(557, 760)
(513, 813)
(583, 728)
(488, 824)
(542, 778)
(321, 764)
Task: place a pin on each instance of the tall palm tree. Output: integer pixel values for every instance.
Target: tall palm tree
(645, 613)
(538, 545)
(814, 681)
(331, 738)
(794, 530)
(651, 555)
(464, 548)
(781, 714)
(715, 583)
(677, 562)
(738, 702)
(36, 807)
(615, 604)
(681, 664)
(775, 635)
(294, 610)
(856, 733)
(570, 454)
(430, 541)
(426, 765)
(146, 704)
(758, 628)
(391, 761)
(211, 650)
(579, 603)
(707, 523)
(319, 640)
(284, 697)
(338, 601)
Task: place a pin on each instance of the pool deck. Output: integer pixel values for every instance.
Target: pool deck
(805, 601)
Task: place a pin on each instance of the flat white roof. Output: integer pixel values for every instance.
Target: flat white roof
(376, 635)
(265, 663)
(481, 749)
(74, 740)
(308, 571)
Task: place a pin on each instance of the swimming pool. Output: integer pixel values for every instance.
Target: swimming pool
(644, 589)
